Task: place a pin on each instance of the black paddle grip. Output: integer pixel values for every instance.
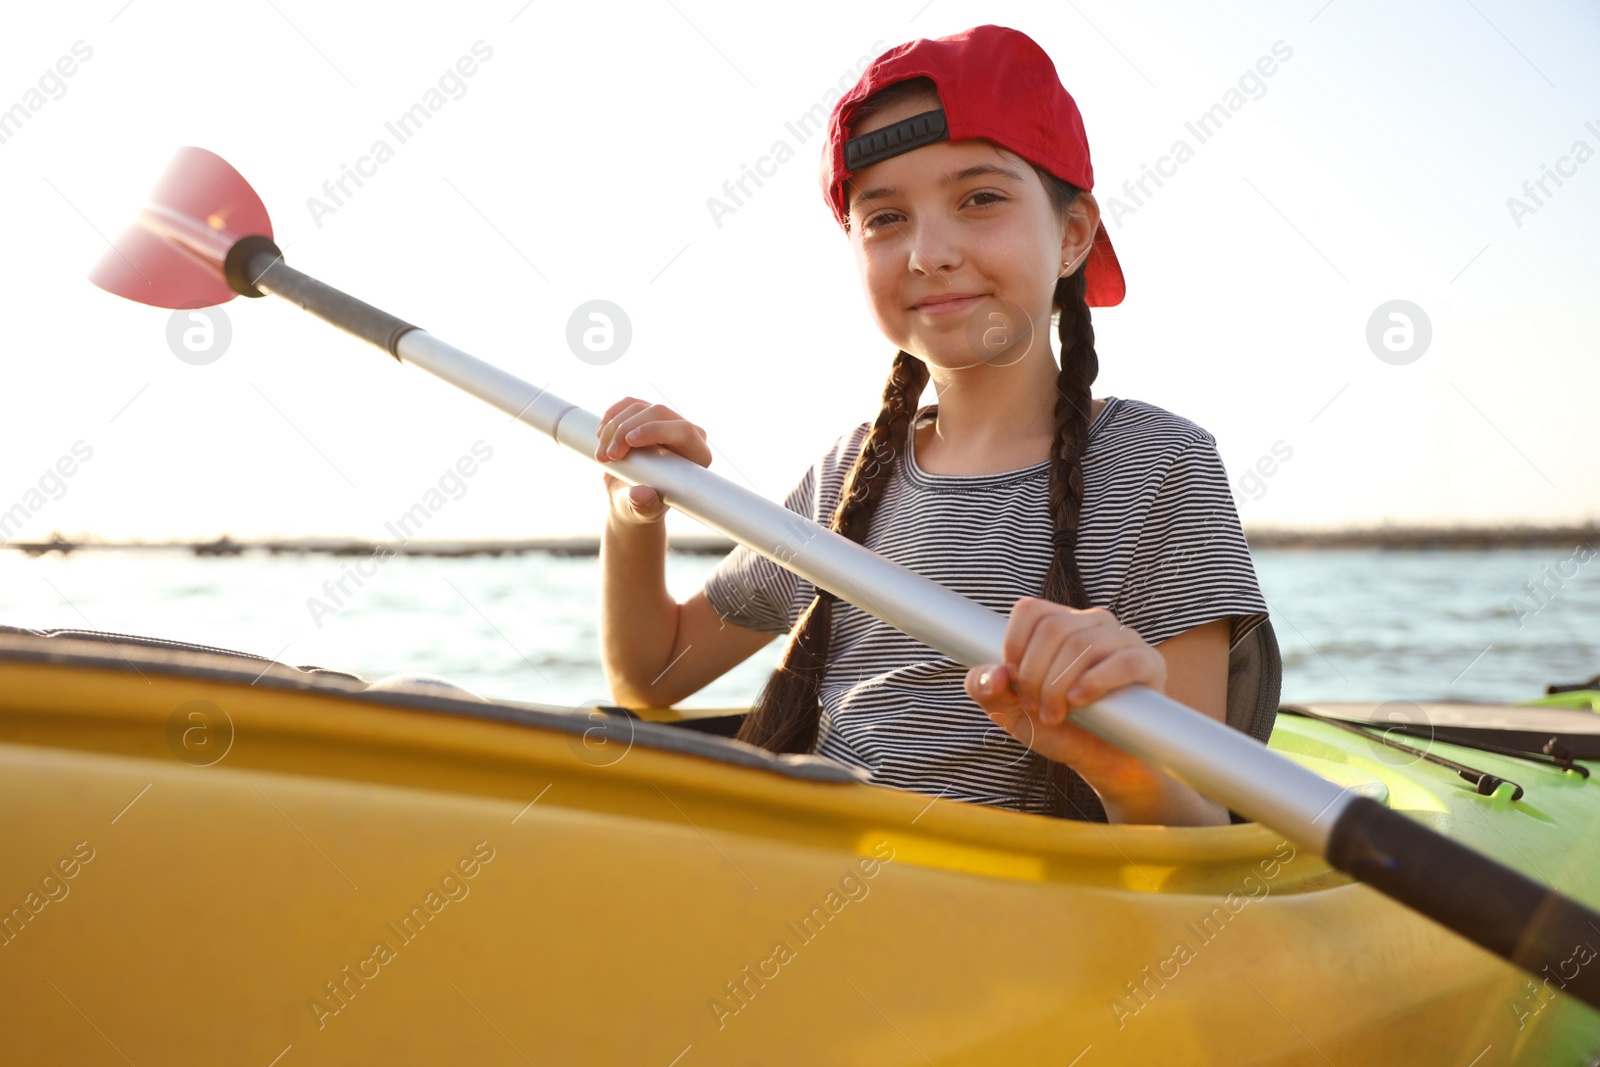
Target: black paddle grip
(255, 261)
(1552, 937)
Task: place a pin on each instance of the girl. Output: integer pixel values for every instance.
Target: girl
(1105, 527)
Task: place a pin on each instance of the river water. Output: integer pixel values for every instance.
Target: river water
(1358, 624)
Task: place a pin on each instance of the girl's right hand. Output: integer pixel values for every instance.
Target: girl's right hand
(632, 423)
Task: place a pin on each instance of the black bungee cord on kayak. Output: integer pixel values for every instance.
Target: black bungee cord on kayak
(1483, 781)
(1576, 687)
(1552, 754)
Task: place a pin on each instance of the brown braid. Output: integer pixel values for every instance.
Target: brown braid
(784, 717)
(1067, 795)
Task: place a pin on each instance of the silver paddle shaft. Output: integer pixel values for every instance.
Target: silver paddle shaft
(1222, 763)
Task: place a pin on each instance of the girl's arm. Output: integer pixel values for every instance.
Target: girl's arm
(638, 617)
(1058, 658)
(654, 650)
(1197, 676)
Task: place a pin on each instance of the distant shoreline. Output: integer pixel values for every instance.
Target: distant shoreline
(1400, 538)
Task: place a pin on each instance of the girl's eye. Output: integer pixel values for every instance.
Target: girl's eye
(883, 218)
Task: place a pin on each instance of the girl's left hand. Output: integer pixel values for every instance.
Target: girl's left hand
(1058, 658)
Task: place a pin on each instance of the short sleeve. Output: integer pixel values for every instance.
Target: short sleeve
(1190, 564)
(750, 590)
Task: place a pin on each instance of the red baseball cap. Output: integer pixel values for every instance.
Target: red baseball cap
(995, 83)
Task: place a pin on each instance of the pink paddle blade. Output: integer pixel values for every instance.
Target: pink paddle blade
(172, 256)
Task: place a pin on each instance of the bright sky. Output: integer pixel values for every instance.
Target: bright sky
(575, 163)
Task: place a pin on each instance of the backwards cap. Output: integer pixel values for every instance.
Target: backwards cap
(995, 83)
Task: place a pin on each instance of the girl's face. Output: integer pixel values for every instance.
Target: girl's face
(961, 219)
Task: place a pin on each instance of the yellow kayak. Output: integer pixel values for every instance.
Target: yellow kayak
(210, 858)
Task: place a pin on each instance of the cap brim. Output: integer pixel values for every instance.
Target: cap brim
(1103, 284)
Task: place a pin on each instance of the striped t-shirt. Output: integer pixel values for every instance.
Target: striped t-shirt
(1159, 545)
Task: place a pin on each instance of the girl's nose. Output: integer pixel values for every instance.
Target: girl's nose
(933, 248)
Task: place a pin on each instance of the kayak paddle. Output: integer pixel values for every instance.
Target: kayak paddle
(205, 237)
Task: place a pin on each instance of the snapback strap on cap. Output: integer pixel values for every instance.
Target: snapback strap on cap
(879, 145)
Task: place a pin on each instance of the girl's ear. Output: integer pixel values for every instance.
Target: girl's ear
(1077, 238)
